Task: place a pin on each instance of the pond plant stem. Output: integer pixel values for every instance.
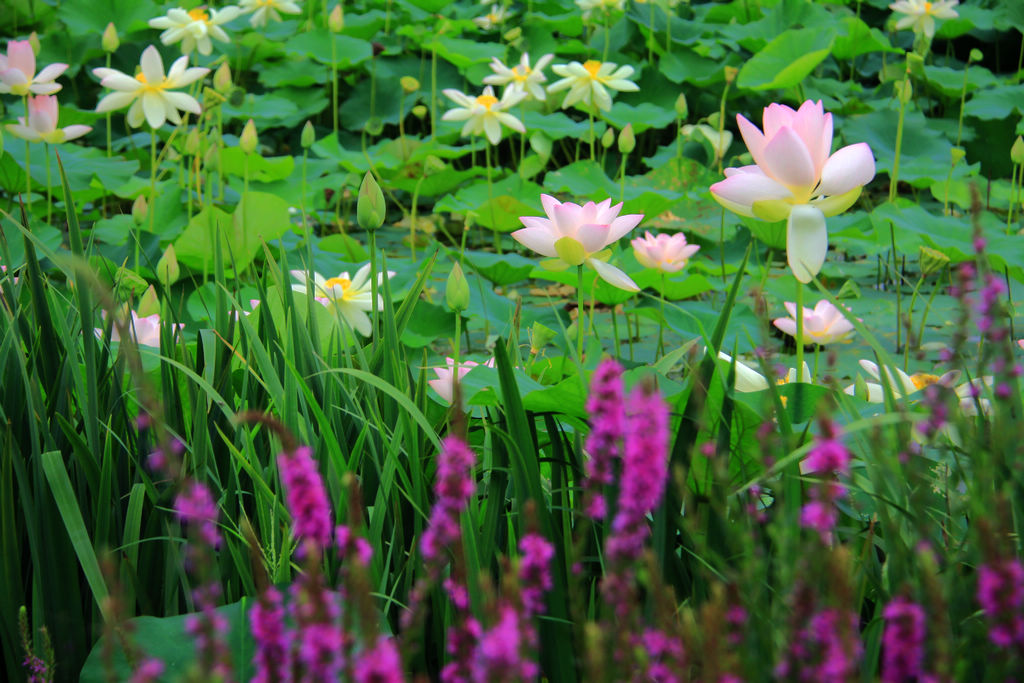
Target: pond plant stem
(152, 195)
(374, 285)
(903, 97)
(49, 192)
(490, 197)
(800, 331)
(579, 313)
(661, 320)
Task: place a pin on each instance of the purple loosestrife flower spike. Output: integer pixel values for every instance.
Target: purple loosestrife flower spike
(380, 663)
(453, 487)
(273, 650)
(195, 505)
(149, 671)
(535, 571)
(644, 473)
(307, 498)
(608, 415)
(1001, 595)
(499, 655)
(902, 641)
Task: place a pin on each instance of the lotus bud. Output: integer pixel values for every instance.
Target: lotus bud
(931, 260)
(249, 139)
(192, 142)
(336, 19)
(222, 79)
(33, 40)
(308, 135)
(627, 141)
(236, 98)
(1016, 152)
(608, 139)
(682, 108)
(374, 125)
(370, 207)
(730, 74)
(149, 304)
(904, 91)
(456, 291)
(110, 42)
(167, 269)
(975, 56)
(419, 111)
(957, 154)
(409, 84)
(140, 209)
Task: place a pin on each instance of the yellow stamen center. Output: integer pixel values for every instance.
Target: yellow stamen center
(198, 14)
(592, 66)
(521, 73)
(923, 379)
(342, 282)
(927, 8)
(487, 101)
(141, 78)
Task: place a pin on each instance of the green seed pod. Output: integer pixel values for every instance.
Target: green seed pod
(409, 84)
(931, 260)
(975, 56)
(957, 154)
(370, 206)
(419, 111)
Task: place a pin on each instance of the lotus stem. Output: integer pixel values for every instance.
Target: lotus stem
(579, 313)
(374, 284)
(490, 196)
(49, 192)
(894, 180)
(661, 321)
(799, 331)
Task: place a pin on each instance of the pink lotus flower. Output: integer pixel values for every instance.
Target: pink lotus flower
(145, 329)
(572, 235)
(444, 385)
(42, 123)
(18, 71)
(825, 324)
(667, 253)
(795, 178)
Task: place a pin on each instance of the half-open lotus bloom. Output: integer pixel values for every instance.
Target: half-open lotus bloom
(18, 71)
(572, 235)
(493, 19)
(195, 27)
(795, 178)
(921, 14)
(151, 93)
(748, 379)
(589, 82)
(42, 123)
(146, 330)
(350, 297)
(521, 77)
(485, 114)
(264, 10)
(664, 252)
(444, 385)
(824, 324)
(900, 383)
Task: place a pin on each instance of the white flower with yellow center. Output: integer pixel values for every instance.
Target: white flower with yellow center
(588, 82)
(485, 113)
(263, 10)
(521, 77)
(493, 19)
(150, 92)
(921, 15)
(748, 380)
(900, 383)
(195, 27)
(350, 297)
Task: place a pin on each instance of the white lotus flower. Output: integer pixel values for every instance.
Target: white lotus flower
(900, 383)
(262, 10)
(195, 27)
(921, 14)
(485, 114)
(150, 92)
(493, 19)
(351, 297)
(521, 77)
(748, 380)
(589, 82)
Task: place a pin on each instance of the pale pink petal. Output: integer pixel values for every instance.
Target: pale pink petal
(850, 167)
(752, 137)
(806, 242)
(539, 240)
(787, 325)
(51, 72)
(549, 203)
(593, 237)
(613, 275)
(776, 117)
(787, 160)
(738, 192)
(20, 56)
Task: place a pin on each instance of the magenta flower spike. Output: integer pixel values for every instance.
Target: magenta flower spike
(796, 177)
(306, 495)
